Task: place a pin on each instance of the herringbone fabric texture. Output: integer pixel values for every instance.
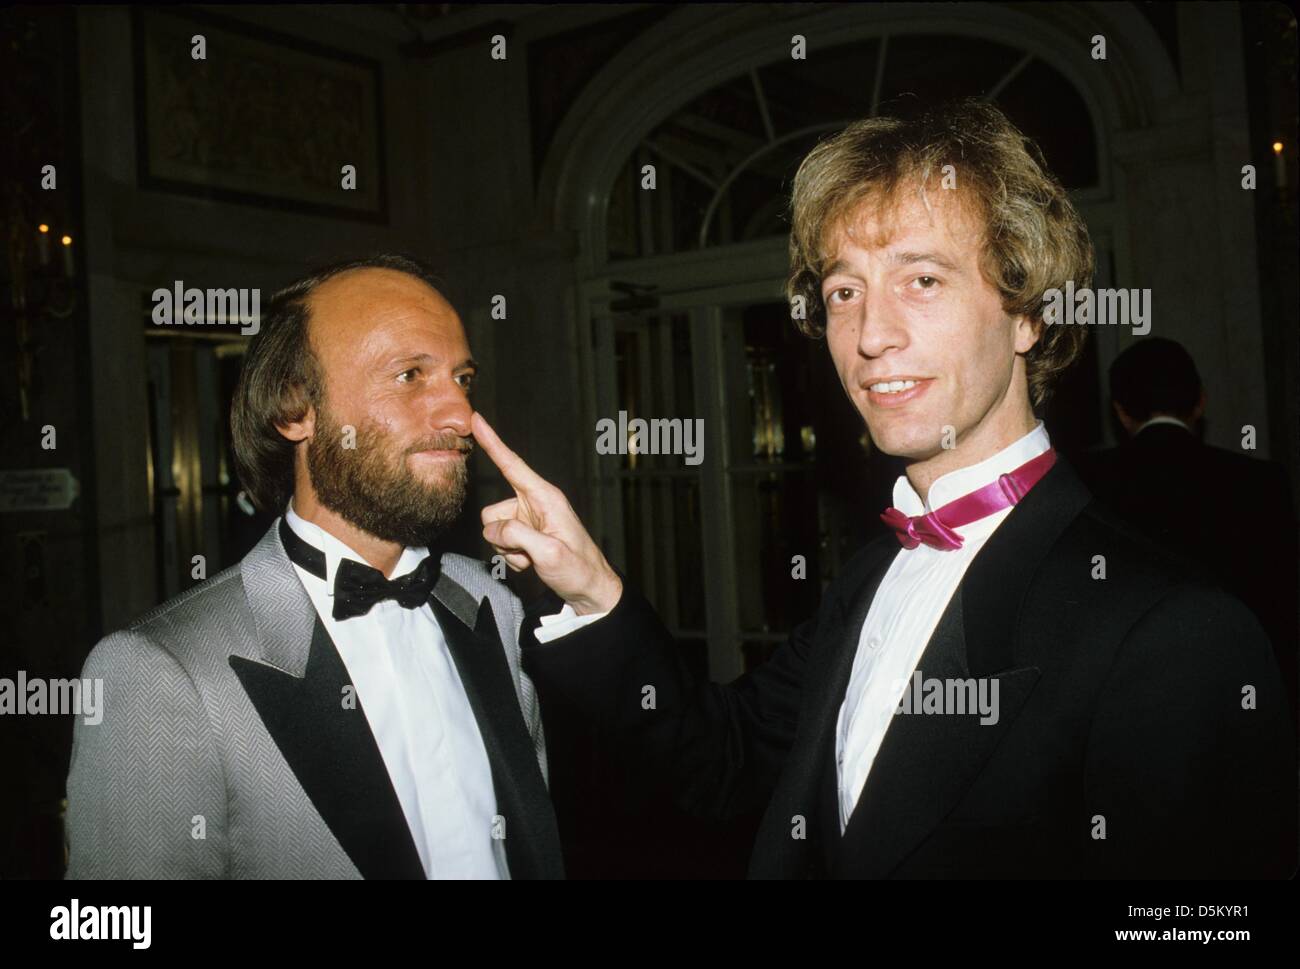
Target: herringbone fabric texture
(181, 779)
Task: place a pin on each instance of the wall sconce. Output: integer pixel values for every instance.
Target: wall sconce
(37, 291)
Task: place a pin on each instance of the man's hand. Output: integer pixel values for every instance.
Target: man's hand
(538, 528)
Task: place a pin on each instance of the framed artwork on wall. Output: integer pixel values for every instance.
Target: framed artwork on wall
(260, 118)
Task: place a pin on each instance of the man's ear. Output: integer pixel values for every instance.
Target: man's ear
(1199, 409)
(302, 428)
(1028, 332)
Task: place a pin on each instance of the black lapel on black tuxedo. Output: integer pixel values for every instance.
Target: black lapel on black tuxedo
(333, 753)
(531, 836)
(777, 853)
(927, 762)
(996, 582)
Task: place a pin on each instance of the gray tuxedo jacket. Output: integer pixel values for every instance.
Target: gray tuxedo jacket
(225, 749)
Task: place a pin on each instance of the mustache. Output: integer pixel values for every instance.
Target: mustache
(444, 442)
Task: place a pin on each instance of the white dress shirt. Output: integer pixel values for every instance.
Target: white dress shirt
(420, 715)
(906, 609)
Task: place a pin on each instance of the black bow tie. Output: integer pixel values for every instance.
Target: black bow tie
(357, 587)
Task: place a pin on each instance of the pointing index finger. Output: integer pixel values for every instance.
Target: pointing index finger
(518, 474)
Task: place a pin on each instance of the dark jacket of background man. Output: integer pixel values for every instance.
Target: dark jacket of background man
(1229, 513)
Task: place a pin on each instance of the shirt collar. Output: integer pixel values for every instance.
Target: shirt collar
(336, 551)
(955, 484)
(1162, 419)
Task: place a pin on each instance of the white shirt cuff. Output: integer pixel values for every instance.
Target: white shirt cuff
(564, 622)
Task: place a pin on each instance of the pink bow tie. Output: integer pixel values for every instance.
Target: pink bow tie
(936, 528)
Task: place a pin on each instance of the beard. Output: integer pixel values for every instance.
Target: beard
(372, 487)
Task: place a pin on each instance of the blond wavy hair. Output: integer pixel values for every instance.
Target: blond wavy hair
(1033, 238)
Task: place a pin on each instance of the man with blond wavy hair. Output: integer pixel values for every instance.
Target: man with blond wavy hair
(1010, 683)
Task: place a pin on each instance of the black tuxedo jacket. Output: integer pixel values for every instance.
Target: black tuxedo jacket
(1229, 513)
(1123, 746)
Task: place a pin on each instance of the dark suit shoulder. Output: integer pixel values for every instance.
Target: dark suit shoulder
(1244, 467)
(1102, 559)
(1106, 592)
(1109, 469)
(1133, 547)
(1094, 466)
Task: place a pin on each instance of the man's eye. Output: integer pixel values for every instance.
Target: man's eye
(840, 294)
(466, 381)
(407, 373)
(927, 282)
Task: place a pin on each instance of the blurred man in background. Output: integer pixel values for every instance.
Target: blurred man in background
(1227, 512)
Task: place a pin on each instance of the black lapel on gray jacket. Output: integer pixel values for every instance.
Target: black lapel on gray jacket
(531, 835)
(333, 753)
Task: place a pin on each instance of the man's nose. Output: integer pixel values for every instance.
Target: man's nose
(881, 328)
(451, 414)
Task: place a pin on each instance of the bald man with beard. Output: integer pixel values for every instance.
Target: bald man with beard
(346, 701)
